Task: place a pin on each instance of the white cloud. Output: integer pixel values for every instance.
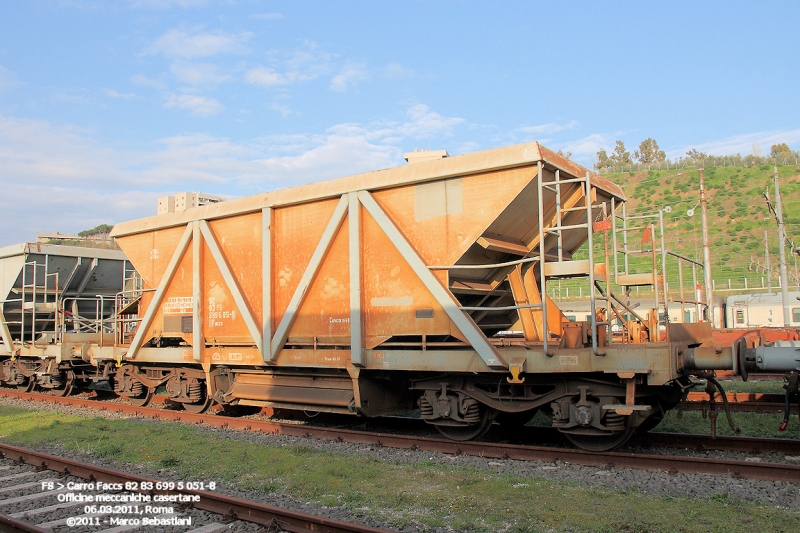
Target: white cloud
(67, 210)
(76, 96)
(198, 105)
(35, 152)
(266, 16)
(302, 65)
(198, 73)
(350, 75)
(743, 143)
(396, 71)
(79, 181)
(182, 44)
(111, 93)
(8, 80)
(335, 156)
(285, 111)
(545, 129)
(265, 76)
(310, 60)
(466, 147)
(587, 147)
(141, 79)
(167, 4)
(425, 123)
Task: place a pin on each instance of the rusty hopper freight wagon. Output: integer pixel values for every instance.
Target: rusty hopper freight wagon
(421, 286)
(58, 302)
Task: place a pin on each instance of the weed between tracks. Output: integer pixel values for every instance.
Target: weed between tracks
(751, 424)
(737, 385)
(425, 494)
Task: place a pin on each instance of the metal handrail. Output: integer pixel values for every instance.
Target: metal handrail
(121, 324)
(503, 308)
(682, 298)
(490, 265)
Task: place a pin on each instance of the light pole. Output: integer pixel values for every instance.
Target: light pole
(782, 253)
(706, 249)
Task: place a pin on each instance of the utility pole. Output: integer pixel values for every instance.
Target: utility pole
(795, 251)
(706, 250)
(782, 256)
(767, 269)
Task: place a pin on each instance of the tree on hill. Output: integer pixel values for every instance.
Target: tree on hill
(603, 161)
(696, 156)
(780, 150)
(620, 156)
(102, 229)
(649, 152)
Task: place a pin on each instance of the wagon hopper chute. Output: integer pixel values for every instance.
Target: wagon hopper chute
(398, 288)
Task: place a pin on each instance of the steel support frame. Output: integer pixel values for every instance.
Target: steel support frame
(198, 232)
(230, 281)
(166, 279)
(462, 321)
(266, 283)
(197, 292)
(314, 264)
(592, 299)
(354, 240)
(86, 277)
(7, 341)
(71, 276)
(542, 242)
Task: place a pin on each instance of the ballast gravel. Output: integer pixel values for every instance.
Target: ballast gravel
(654, 482)
(35, 505)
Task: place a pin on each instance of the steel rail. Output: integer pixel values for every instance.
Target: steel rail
(228, 506)
(739, 401)
(749, 402)
(752, 445)
(754, 470)
(12, 525)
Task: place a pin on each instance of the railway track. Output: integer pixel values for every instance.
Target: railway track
(644, 461)
(745, 402)
(41, 492)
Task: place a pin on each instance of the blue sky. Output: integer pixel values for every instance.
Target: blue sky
(105, 106)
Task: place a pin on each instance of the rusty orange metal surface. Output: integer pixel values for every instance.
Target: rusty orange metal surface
(403, 229)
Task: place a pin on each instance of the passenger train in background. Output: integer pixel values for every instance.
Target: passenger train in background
(740, 311)
(761, 310)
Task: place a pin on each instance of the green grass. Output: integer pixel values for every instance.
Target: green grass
(751, 424)
(737, 385)
(426, 494)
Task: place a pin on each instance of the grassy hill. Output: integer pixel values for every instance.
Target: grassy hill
(738, 216)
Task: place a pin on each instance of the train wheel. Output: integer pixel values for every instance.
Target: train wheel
(142, 399)
(68, 378)
(471, 431)
(661, 408)
(650, 423)
(199, 407)
(29, 384)
(602, 442)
